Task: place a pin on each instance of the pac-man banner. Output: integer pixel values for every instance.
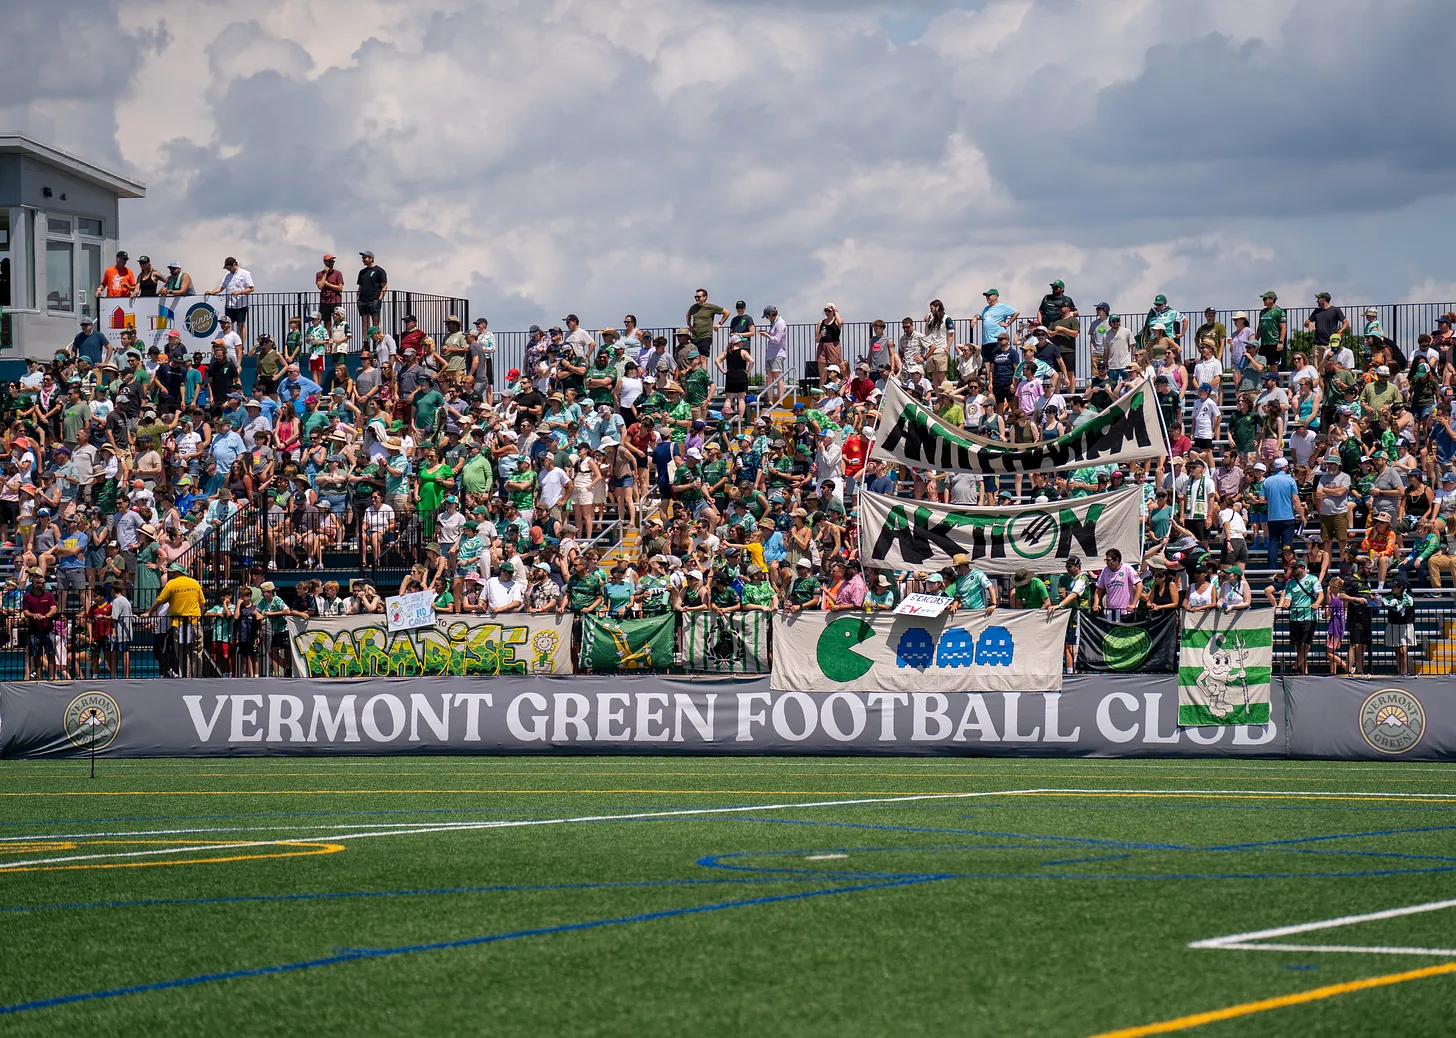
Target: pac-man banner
(198, 319)
(905, 534)
(363, 646)
(912, 434)
(1012, 650)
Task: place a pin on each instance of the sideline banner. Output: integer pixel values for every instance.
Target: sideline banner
(152, 317)
(1094, 716)
(1010, 651)
(736, 643)
(627, 645)
(1150, 647)
(459, 644)
(912, 434)
(1224, 667)
(899, 533)
(1387, 718)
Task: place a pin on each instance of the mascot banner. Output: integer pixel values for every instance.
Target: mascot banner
(1224, 665)
(909, 433)
(1012, 650)
(460, 645)
(897, 533)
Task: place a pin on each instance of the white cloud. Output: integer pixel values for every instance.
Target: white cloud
(610, 156)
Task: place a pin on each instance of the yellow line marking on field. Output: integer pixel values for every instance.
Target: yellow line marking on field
(318, 848)
(1416, 798)
(1182, 1023)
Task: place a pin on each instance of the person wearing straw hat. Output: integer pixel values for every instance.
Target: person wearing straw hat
(1028, 591)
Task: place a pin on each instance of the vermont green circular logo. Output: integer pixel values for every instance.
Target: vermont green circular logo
(1392, 721)
(1126, 648)
(92, 720)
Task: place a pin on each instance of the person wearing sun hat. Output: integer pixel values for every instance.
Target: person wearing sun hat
(1028, 591)
(185, 602)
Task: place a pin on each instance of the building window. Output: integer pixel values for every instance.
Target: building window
(5, 267)
(58, 224)
(90, 275)
(60, 277)
(90, 228)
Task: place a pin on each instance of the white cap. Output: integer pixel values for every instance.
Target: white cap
(693, 452)
(1280, 463)
(314, 315)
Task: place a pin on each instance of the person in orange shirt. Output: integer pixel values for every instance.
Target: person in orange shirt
(118, 281)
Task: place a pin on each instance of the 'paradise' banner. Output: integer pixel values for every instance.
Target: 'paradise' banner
(912, 434)
(457, 644)
(1012, 650)
(905, 534)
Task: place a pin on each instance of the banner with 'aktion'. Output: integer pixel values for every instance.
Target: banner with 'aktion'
(1012, 650)
(904, 534)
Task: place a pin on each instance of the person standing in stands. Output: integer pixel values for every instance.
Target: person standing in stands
(372, 283)
(118, 282)
(330, 284)
(701, 321)
(235, 287)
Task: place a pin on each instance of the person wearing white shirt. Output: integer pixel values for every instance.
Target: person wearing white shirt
(776, 355)
(1344, 357)
(578, 339)
(1302, 442)
(504, 593)
(1307, 373)
(554, 482)
(235, 288)
(1205, 417)
(1209, 368)
(33, 378)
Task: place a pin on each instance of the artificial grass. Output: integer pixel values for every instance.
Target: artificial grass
(1055, 914)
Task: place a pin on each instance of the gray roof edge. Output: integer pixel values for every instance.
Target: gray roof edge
(124, 187)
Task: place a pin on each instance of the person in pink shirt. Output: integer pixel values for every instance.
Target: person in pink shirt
(1117, 586)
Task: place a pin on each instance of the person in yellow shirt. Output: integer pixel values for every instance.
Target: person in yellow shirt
(184, 601)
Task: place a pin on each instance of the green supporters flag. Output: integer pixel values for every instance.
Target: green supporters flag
(736, 643)
(1224, 664)
(1108, 648)
(626, 645)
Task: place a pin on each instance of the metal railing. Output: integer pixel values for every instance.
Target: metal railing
(269, 312)
(1403, 322)
(79, 647)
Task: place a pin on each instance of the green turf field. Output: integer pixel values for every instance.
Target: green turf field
(652, 896)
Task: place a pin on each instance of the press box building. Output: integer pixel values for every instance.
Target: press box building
(58, 233)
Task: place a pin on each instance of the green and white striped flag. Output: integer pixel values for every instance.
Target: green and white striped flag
(1224, 665)
(736, 643)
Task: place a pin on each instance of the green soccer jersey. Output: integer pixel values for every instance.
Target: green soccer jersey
(695, 386)
(523, 497)
(583, 591)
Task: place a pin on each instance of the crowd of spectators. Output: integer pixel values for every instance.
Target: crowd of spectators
(629, 474)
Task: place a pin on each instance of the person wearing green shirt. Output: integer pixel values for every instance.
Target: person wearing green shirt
(1302, 596)
(723, 598)
(521, 488)
(436, 480)
(679, 414)
(972, 588)
(476, 475)
(758, 595)
(805, 590)
(1028, 591)
(601, 380)
(716, 475)
(1273, 329)
(427, 401)
(697, 385)
(687, 482)
(584, 588)
(651, 404)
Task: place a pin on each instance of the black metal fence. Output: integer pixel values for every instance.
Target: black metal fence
(269, 312)
(80, 647)
(1403, 322)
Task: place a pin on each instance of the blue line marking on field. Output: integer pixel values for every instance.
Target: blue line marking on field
(468, 942)
(1331, 836)
(1078, 861)
(238, 899)
(1299, 966)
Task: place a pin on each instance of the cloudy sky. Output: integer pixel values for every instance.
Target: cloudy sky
(541, 156)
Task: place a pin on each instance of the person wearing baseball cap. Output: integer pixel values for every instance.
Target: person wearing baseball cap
(372, 283)
(995, 317)
(330, 284)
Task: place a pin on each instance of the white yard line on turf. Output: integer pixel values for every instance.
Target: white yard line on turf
(336, 836)
(507, 824)
(1253, 940)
